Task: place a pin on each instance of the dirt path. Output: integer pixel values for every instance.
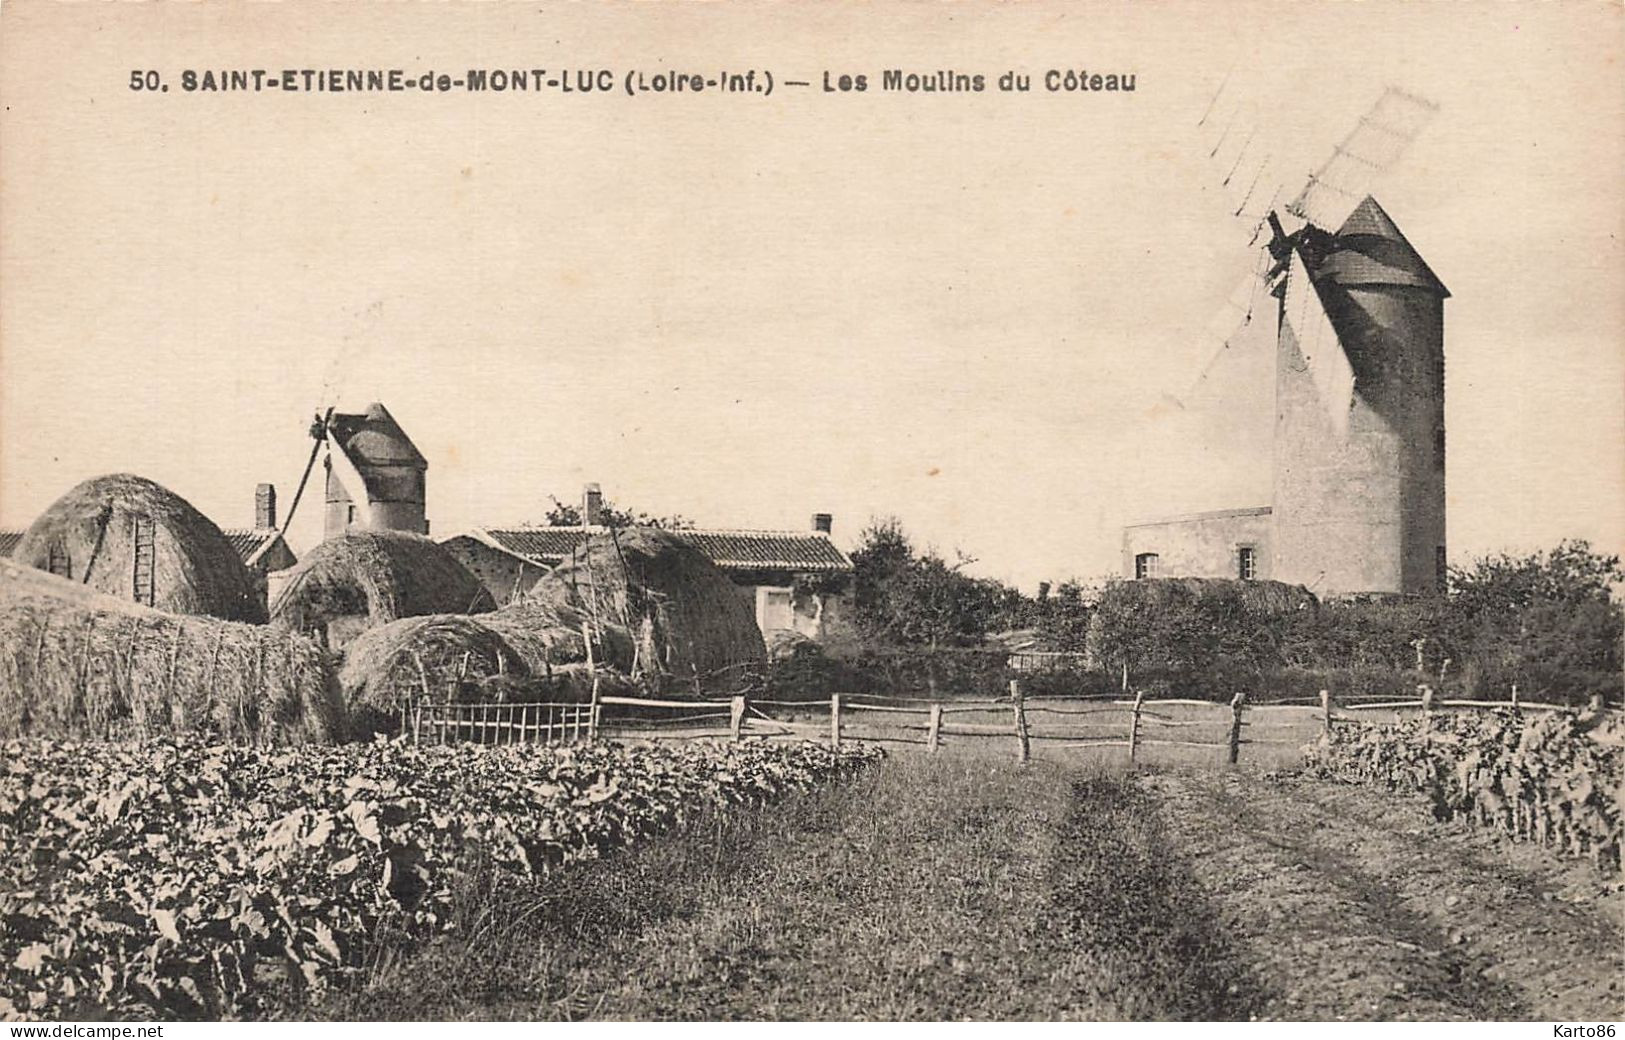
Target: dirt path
(1352, 903)
(937, 887)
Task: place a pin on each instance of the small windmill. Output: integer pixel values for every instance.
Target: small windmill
(1302, 230)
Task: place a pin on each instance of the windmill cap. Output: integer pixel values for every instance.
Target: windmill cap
(1369, 249)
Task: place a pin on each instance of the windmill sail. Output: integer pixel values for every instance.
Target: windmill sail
(1376, 143)
(1319, 345)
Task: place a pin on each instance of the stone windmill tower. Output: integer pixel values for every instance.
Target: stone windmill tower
(1359, 501)
(1359, 437)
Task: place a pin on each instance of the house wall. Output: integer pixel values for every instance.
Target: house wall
(505, 576)
(1364, 512)
(1202, 545)
(278, 557)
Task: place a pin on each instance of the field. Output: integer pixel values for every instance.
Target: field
(959, 886)
(1449, 866)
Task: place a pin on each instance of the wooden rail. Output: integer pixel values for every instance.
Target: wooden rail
(1138, 724)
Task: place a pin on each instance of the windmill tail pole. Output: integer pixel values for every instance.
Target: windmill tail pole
(318, 434)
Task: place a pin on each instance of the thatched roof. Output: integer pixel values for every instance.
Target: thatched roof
(78, 664)
(382, 575)
(686, 620)
(89, 536)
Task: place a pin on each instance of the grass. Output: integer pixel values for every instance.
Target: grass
(932, 887)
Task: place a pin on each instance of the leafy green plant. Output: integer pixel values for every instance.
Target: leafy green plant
(1553, 778)
(179, 879)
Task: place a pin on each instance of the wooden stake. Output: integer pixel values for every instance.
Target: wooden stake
(1134, 724)
(1326, 713)
(835, 720)
(736, 718)
(1024, 749)
(1236, 705)
(1514, 696)
(931, 737)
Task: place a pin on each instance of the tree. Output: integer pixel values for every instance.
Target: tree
(565, 514)
(1548, 621)
(905, 598)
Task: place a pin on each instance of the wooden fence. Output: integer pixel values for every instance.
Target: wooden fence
(1064, 723)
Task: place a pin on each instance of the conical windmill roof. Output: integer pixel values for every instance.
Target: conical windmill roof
(375, 437)
(1369, 249)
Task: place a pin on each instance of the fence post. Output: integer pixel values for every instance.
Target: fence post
(1326, 713)
(736, 718)
(417, 724)
(1125, 675)
(1023, 746)
(1236, 704)
(593, 714)
(1514, 696)
(1427, 698)
(936, 726)
(1134, 724)
(834, 720)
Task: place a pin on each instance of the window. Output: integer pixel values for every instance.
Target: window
(1247, 563)
(350, 519)
(775, 608)
(1146, 565)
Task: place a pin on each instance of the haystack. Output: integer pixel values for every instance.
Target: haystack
(183, 565)
(453, 658)
(436, 657)
(365, 579)
(78, 664)
(685, 621)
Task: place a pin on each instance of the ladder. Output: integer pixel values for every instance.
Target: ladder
(143, 578)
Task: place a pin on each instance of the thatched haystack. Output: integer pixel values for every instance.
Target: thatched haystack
(184, 566)
(454, 658)
(365, 579)
(686, 621)
(77, 664)
(549, 635)
(435, 657)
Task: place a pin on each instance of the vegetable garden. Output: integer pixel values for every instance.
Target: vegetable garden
(178, 879)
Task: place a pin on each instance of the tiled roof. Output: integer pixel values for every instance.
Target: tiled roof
(730, 550)
(250, 543)
(8, 541)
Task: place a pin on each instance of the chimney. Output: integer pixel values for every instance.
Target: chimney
(823, 522)
(265, 507)
(592, 506)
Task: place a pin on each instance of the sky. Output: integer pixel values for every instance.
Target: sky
(973, 312)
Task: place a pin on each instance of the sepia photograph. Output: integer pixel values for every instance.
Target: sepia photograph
(717, 510)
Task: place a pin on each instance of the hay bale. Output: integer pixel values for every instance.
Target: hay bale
(685, 621)
(89, 536)
(78, 664)
(437, 657)
(366, 579)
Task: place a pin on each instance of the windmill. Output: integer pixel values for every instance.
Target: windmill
(1301, 231)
